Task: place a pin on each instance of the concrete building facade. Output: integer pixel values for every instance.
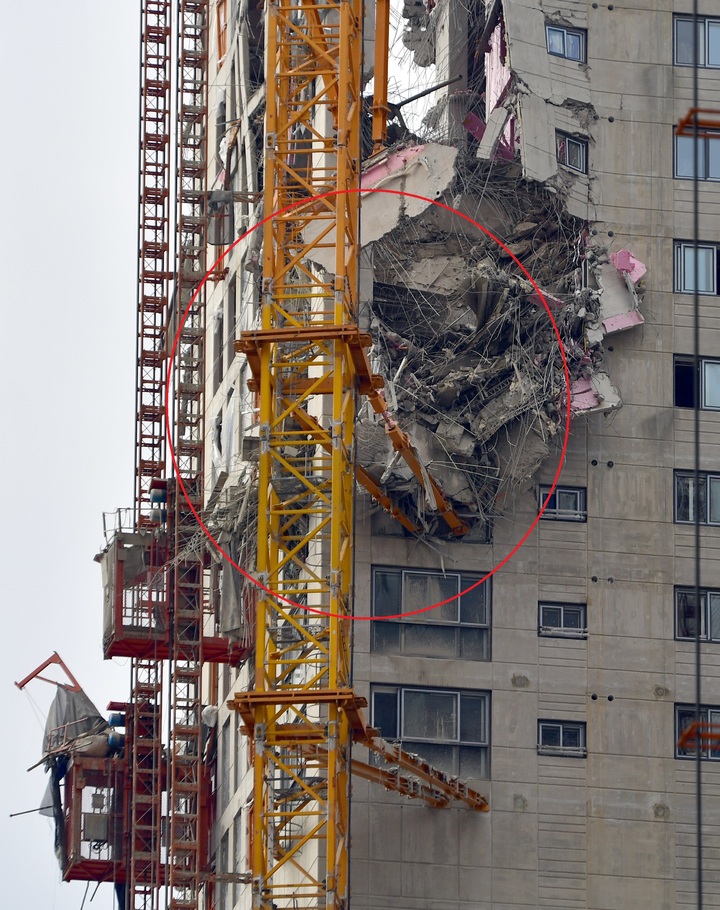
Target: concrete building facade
(559, 686)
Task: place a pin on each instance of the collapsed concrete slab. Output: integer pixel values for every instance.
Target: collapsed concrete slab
(471, 360)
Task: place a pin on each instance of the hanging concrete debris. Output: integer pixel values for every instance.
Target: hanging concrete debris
(472, 364)
(471, 361)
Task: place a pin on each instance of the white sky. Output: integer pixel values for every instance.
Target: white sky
(67, 246)
(68, 241)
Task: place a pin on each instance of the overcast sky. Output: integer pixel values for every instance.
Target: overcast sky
(68, 247)
(68, 239)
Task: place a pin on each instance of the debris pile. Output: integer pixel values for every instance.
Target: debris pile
(471, 361)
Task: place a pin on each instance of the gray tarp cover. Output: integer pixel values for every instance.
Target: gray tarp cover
(73, 708)
(231, 589)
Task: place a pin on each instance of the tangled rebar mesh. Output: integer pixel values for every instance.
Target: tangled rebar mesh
(471, 360)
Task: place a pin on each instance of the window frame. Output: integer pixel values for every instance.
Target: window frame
(680, 283)
(554, 513)
(407, 625)
(561, 137)
(562, 631)
(580, 33)
(707, 478)
(706, 23)
(706, 159)
(415, 743)
(580, 726)
(709, 630)
(687, 360)
(708, 714)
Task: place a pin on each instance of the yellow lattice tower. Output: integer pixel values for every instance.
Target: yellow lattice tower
(305, 361)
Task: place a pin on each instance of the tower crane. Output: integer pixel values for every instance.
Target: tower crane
(309, 358)
(309, 363)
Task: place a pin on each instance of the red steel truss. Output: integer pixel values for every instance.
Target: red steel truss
(188, 822)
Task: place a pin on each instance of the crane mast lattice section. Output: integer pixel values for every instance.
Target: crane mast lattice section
(188, 818)
(146, 860)
(153, 248)
(304, 363)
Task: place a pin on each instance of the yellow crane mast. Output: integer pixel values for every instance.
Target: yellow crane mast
(308, 361)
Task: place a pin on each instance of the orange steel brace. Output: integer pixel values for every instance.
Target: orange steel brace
(706, 120)
(422, 781)
(72, 686)
(699, 734)
(425, 781)
(368, 384)
(418, 767)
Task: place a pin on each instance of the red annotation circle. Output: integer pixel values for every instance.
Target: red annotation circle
(525, 536)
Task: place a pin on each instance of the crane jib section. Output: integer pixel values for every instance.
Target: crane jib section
(305, 360)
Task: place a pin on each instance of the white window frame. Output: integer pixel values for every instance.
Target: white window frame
(562, 631)
(579, 33)
(709, 627)
(705, 362)
(415, 743)
(554, 512)
(709, 480)
(709, 714)
(432, 618)
(705, 157)
(564, 142)
(706, 26)
(682, 281)
(562, 727)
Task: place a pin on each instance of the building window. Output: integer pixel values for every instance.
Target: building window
(708, 41)
(459, 630)
(709, 383)
(686, 715)
(562, 737)
(566, 42)
(708, 499)
(564, 503)
(707, 268)
(449, 729)
(571, 152)
(563, 620)
(709, 164)
(686, 614)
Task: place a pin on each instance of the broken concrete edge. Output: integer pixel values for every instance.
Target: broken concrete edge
(448, 445)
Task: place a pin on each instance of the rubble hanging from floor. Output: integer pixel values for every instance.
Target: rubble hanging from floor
(471, 361)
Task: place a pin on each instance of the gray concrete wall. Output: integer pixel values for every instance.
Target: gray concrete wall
(613, 830)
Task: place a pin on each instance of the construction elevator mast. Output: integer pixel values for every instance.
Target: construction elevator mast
(308, 362)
